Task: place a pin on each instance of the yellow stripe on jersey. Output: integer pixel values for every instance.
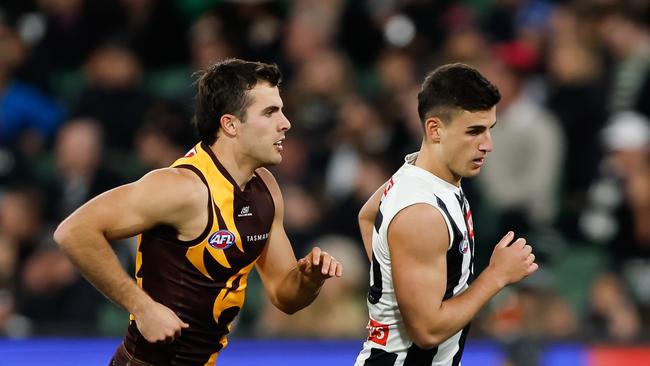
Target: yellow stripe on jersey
(224, 198)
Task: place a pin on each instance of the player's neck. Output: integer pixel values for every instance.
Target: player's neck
(239, 168)
(429, 160)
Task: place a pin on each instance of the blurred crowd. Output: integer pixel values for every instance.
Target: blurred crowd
(94, 94)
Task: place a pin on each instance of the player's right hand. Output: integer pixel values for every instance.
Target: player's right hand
(512, 260)
(158, 323)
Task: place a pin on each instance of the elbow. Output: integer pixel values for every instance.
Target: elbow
(283, 306)
(289, 310)
(361, 217)
(426, 339)
(62, 235)
(427, 342)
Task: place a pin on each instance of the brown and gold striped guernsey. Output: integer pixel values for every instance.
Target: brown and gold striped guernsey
(203, 281)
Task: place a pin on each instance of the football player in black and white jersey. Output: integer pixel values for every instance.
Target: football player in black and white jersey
(419, 235)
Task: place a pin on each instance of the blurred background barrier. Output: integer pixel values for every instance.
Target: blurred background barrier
(248, 352)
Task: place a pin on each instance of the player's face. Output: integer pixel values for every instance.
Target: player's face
(264, 130)
(466, 141)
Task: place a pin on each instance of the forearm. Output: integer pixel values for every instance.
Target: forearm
(366, 227)
(295, 292)
(455, 313)
(367, 216)
(93, 256)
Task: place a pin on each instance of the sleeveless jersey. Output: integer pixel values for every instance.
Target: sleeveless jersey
(203, 280)
(388, 342)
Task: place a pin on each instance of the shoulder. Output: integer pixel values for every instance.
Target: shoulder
(407, 190)
(174, 185)
(418, 224)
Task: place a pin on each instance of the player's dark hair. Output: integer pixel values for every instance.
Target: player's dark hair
(453, 88)
(222, 89)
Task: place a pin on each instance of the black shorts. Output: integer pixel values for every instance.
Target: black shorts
(122, 357)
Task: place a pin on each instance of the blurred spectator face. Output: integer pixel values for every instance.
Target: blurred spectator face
(356, 116)
(113, 67)
(79, 147)
(310, 28)
(294, 161)
(620, 35)
(372, 174)
(396, 71)
(465, 45)
(151, 146)
(163, 137)
(301, 210)
(60, 8)
(559, 320)
(325, 73)
(207, 46)
(19, 215)
(499, 74)
(570, 62)
(12, 50)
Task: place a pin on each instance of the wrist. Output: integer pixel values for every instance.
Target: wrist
(310, 282)
(140, 303)
(495, 277)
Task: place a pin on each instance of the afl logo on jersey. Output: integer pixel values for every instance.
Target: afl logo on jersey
(222, 239)
(463, 247)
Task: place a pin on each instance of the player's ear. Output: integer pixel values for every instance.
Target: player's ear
(432, 126)
(228, 124)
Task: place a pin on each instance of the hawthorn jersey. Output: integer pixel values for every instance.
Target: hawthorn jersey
(203, 280)
(388, 343)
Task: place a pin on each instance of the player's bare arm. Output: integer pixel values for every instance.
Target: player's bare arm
(291, 285)
(418, 240)
(175, 197)
(367, 216)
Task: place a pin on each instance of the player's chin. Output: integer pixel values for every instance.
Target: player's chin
(472, 172)
(274, 160)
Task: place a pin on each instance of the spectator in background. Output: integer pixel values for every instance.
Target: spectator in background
(339, 310)
(618, 209)
(577, 96)
(521, 179)
(28, 117)
(156, 32)
(79, 174)
(318, 88)
(611, 314)
(55, 296)
(164, 136)
(64, 32)
(624, 31)
(207, 42)
(112, 95)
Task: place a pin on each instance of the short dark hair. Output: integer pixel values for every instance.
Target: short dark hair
(222, 88)
(455, 87)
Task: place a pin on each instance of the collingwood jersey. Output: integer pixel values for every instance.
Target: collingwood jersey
(203, 280)
(388, 343)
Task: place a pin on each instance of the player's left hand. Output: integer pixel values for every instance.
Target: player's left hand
(319, 265)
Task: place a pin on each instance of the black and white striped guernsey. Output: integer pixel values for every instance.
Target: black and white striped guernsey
(388, 343)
